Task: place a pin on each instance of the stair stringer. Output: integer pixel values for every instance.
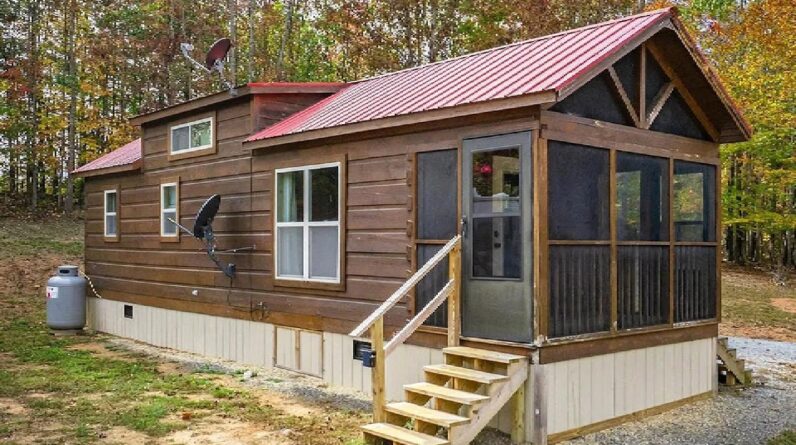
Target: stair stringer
(733, 364)
(518, 375)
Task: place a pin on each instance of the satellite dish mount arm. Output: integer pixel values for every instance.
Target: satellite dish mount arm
(210, 243)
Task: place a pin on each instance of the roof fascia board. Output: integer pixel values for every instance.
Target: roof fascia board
(713, 79)
(406, 119)
(296, 88)
(191, 105)
(635, 42)
(136, 165)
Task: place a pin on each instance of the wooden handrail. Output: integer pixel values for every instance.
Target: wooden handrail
(418, 319)
(375, 321)
(405, 288)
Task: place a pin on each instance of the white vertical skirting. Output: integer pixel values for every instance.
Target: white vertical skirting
(577, 392)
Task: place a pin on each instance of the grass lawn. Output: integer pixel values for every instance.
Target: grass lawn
(83, 390)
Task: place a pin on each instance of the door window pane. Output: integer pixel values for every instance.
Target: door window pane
(290, 251)
(290, 193)
(323, 197)
(497, 247)
(694, 201)
(496, 182)
(323, 252)
(642, 198)
(578, 192)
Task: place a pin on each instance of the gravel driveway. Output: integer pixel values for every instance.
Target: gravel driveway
(735, 416)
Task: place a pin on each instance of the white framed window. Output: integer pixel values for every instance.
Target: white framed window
(192, 136)
(307, 238)
(110, 211)
(169, 205)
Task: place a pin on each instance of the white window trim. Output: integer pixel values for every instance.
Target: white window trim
(176, 209)
(106, 213)
(188, 124)
(306, 224)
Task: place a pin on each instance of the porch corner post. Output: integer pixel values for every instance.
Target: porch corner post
(454, 300)
(377, 374)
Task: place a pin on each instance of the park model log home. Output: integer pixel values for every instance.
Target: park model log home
(547, 210)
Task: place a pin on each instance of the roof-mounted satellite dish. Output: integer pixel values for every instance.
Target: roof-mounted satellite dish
(214, 60)
(203, 230)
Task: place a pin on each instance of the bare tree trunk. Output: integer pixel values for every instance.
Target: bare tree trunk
(232, 7)
(71, 137)
(280, 61)
(250, 75)
(33, 102)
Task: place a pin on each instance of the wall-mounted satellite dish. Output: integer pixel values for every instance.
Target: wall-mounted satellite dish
(203, 230)
(214, 60)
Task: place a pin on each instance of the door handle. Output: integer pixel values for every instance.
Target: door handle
(464, 226)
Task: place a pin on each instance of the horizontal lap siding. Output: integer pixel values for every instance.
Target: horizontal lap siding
(377, 238)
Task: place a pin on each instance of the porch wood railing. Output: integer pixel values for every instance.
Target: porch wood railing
(375, 321)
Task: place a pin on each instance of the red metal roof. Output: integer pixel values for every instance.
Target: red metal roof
(548, 63)
(127, 154)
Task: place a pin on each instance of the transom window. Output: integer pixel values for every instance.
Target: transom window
(308, 223)
(192, 136)
(110, 211)
(169, 198)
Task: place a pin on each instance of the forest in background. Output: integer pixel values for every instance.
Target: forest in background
(73, 71)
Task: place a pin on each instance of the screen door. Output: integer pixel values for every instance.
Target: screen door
(496, 223)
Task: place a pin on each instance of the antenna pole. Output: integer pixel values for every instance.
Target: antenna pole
(186, 49)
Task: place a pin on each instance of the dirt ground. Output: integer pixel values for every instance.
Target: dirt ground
(99, 389)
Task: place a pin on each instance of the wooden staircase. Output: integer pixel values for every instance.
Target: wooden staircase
(732, 368)
(456, 401)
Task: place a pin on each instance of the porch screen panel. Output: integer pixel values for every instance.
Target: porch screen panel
(643, 286)
(694, 202)
(437, 209)
(580, 290)
(578, 192)
(579, 233)
(695, 280)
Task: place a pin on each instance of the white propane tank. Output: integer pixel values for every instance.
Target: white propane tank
(66, 300)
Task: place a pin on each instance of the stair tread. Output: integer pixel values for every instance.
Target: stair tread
(402, 435)
(465, 373)
(428, 415)
(484, 354)
(441, 392)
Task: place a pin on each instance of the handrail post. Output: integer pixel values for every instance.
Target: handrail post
(454, 300)
(377, 373)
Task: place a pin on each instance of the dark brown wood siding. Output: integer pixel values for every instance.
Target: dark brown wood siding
(178, 275)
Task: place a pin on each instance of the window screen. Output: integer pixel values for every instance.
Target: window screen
(436, 194)
(642, 198)
(694, 203)
(627, 69)
(580, 289)
(655, 78)
(677, 118)
(578, 192)
(437, 202)
(695, 278)
(643, 286)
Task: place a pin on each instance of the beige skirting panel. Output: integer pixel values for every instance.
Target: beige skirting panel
(574, 393)
(322, 354)
(586, 391)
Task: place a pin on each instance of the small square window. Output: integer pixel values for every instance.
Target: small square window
(128, 311)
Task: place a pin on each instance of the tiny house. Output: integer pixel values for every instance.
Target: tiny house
(525, 237)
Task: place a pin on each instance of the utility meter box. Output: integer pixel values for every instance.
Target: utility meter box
(66, 300)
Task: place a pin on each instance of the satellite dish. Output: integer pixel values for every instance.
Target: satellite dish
(205, 215)
(203, 230)
(214, 60)
(217, 52)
